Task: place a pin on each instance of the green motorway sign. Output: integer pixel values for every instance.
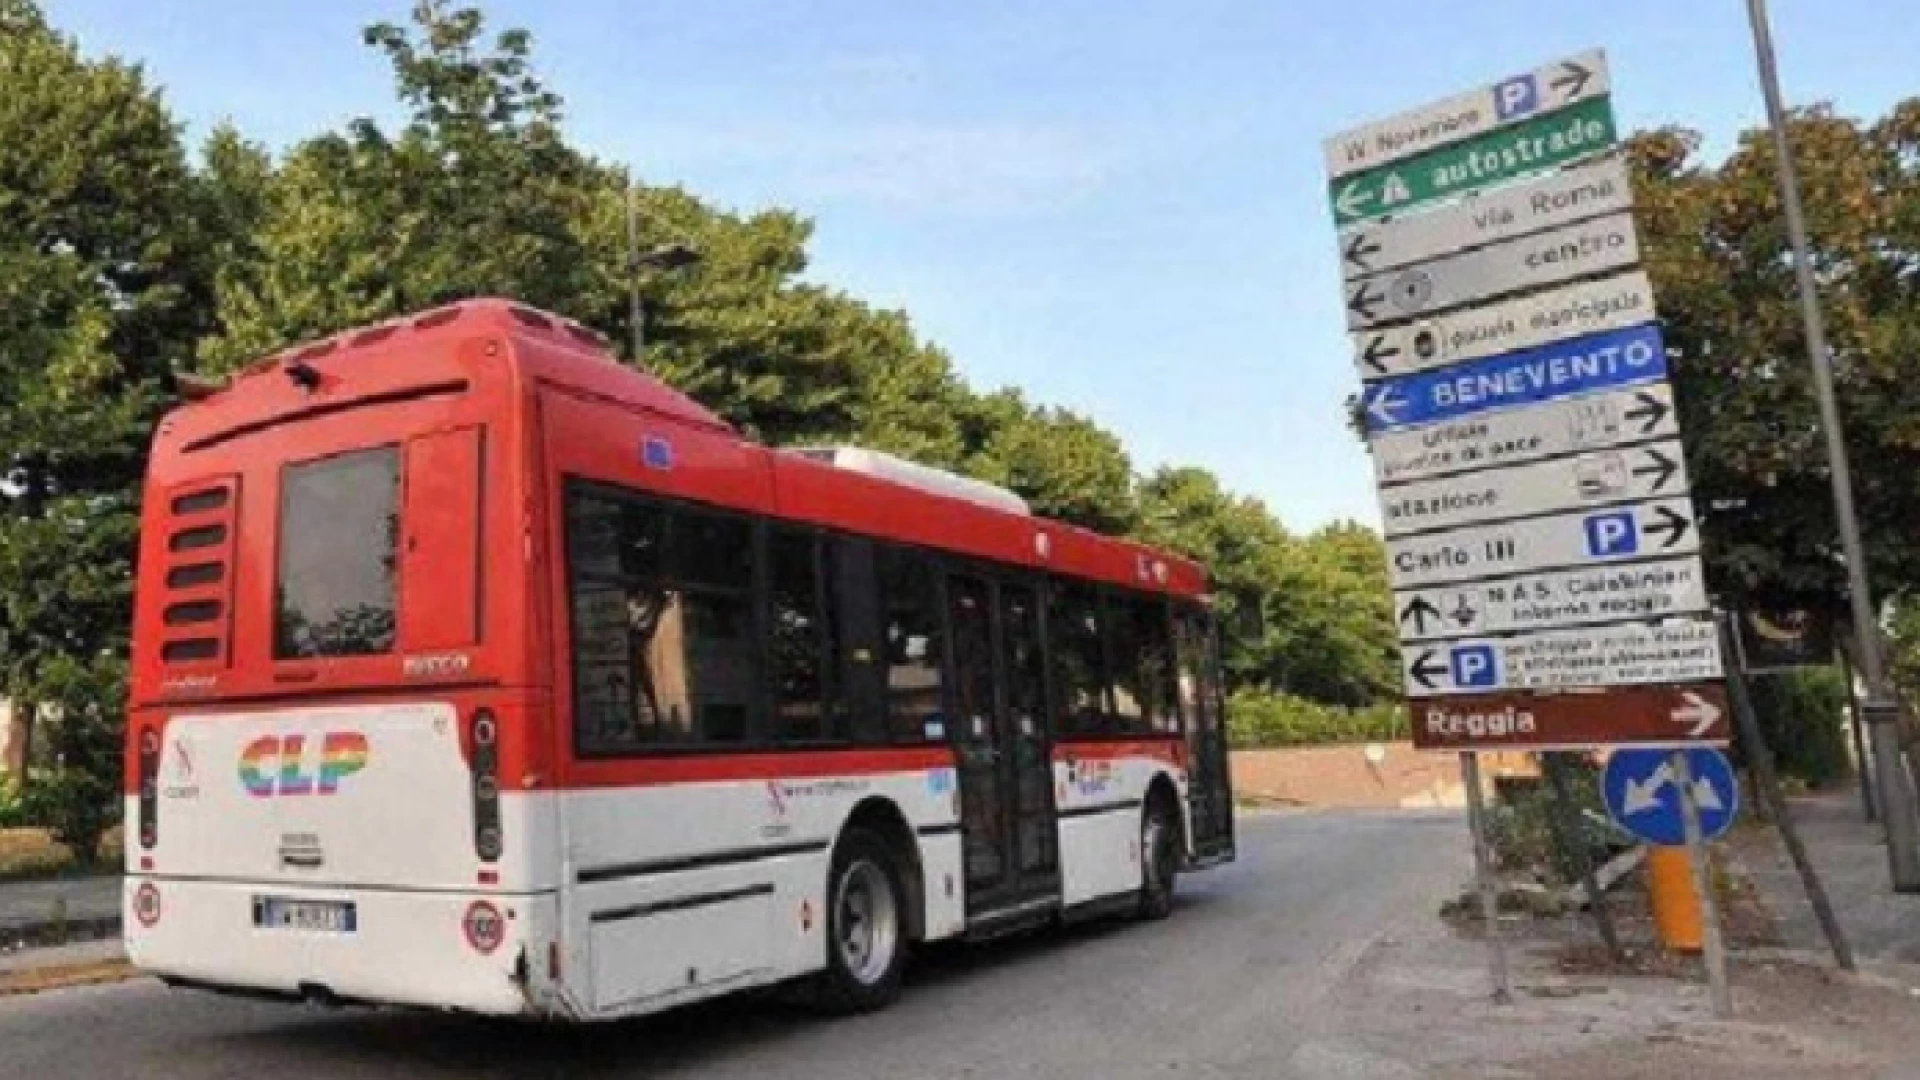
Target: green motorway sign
(1575, 132)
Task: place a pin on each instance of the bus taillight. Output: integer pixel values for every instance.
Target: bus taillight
(149, 787)
(486, 785)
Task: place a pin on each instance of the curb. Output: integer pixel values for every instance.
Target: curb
(46, 932)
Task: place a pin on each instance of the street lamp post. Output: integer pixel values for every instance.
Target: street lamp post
(1881, 708)
(665, 257)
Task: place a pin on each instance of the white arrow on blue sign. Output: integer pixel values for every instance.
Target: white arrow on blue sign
(1643, 795)
(1549, 373)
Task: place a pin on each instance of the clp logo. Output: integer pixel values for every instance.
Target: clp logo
(276, 765)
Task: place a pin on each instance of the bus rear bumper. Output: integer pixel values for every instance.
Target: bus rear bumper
(472, 952)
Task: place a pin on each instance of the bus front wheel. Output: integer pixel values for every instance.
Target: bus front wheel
(866, 926)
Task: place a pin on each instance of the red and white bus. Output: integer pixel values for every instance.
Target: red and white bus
(474, 670)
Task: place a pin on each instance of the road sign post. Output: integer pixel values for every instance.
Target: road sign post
(1483, 878)
(1716, 949)
(1534, 492)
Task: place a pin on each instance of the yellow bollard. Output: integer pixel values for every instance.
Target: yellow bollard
(1676, 908)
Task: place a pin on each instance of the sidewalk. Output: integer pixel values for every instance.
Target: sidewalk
(1850, 855)
(59, 909)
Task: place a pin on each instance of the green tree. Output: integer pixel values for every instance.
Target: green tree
(1064, 465)
(1311, 617)
(1717, 250)
(102, 260)
(476, 194)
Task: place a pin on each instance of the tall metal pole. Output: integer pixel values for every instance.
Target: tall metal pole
(636, 313)
(1881, 709)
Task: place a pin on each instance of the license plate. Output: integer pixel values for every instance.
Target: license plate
(324, 916)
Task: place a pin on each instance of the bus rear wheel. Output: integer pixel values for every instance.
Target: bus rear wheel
(866, 927)
(1159, 860)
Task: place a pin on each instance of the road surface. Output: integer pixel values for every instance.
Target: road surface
(1252, 977)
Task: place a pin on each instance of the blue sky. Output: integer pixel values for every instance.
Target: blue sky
(1116, 206)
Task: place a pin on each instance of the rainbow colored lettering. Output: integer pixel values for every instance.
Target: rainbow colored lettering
(275, 765)
(342, 754)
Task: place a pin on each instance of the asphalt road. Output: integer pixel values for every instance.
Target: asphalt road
(1244, 981)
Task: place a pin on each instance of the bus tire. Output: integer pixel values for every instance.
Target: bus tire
(866, 926)
(1159, 859)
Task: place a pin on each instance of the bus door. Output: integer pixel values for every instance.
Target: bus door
(1010, 846)
(1209, 782)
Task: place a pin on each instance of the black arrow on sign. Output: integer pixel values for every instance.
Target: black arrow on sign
(1650, 408)
(1358, 248)
(1662, 470)
(1419, 610)
(1376, 351)
(1424, 672)
(1671, 525)
(1363, 301)
(1573, 78)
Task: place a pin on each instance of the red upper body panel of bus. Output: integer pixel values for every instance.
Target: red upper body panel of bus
(486, 404)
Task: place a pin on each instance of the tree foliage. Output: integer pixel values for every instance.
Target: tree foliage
(102, 285)
(1723, 272)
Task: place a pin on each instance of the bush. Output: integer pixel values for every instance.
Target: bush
(78, 806)
(1257, 718)
(1803, 714)
(1521, 825)
(13, 810)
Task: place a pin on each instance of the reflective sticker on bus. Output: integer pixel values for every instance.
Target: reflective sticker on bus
(656, 452)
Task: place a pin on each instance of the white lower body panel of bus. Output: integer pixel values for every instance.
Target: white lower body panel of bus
(474, 952)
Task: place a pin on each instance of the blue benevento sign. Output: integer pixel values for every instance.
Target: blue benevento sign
(1563, 369)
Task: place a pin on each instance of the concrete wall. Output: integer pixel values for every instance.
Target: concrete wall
(1343, 776)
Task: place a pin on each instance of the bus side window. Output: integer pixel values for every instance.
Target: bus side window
(910, 621)
(666, 646)
(853, 595)
(802, 645)
(1082, 697)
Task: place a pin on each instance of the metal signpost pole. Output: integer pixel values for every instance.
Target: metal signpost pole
(1880, 709)
(1483, 876)
(1716, 949)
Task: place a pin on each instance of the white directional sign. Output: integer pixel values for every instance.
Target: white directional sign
(1579, 538)
(1540, 536)
(1547, 202)
(1465, 115)
(1592, 479)
(1518, 436)
(1625, 654)
(1553, 599)
(1599, 246)
(1586, 307)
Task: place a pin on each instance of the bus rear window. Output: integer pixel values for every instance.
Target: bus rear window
(339, 545)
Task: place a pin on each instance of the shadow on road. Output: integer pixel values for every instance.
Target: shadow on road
(425, 1043)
